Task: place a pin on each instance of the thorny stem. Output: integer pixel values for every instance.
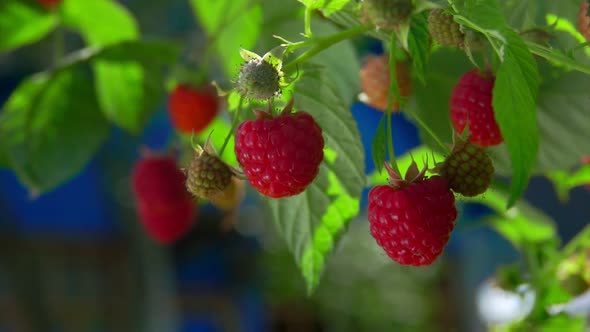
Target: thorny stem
(234, 124)
(323, 43)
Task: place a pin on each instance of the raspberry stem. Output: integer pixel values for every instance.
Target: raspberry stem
(430, 132)
(323, 43)
(307, 20)
(393, 90)
(234, 124)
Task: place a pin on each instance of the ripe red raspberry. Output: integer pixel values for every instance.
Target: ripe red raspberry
(376, 77)
(280, 155)
(468, 169)
(584, 20)
(192, 110)
(49, 4)
(165, 208)
(471, 104)
(412, 219)
(166, 223)
(444, 30)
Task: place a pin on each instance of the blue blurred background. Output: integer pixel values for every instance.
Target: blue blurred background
(75, 259)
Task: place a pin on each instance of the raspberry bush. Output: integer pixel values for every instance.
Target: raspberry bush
(282, 124)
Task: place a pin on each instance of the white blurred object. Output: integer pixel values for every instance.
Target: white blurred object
(578, 306)
(497, 306)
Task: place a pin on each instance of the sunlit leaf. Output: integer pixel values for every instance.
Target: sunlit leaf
(23, 23)
(312, 222)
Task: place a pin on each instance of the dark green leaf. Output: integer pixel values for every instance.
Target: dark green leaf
(311, 222)
(431, 100)
(230, 25)
(486, 13)
(379, 145)
(514, 100)
(419, 45)
(127, 92)
(350, 17)
(558, 58)
(23, 23)
(51, 127)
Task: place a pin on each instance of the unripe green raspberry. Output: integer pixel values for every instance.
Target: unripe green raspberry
(258, 79)
(444, 30)
(388, 14)
(573, 273)
(207, 175)
(468, 169)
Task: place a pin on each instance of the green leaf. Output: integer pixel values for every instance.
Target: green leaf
(218, 129)
(514, 100)
(137, 73)
(419, 45)
(23, 23)
(563, 322)
(349, 17)
(51, 127)
(121, 94)
(230, 25)
(431, 100)
(311, 222)
(100, 22)
(564, 181)
(379, 145)
(523, 224)
(328, 6)
(558, 58)
(122, 88)
(486, 13)
(563, 115)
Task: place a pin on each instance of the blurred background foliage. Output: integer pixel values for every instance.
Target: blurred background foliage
(83, 88)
